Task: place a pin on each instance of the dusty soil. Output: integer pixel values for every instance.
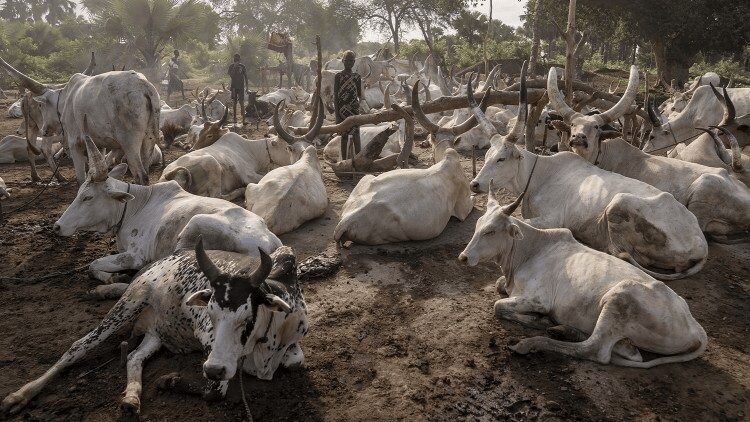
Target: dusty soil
(400, 332)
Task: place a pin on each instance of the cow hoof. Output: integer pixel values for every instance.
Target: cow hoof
(168, 382)
(523, 347)
(500, 286)
(130, 408)
(13, 404)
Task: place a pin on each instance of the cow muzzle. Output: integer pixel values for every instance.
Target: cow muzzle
(474, 186)
(214, 372)
(579, 141)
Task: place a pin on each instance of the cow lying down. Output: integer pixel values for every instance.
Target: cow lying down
(237, 312)
(288, 196)
(608, 307)
(150, 222)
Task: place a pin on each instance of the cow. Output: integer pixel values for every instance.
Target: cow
(288, 196)
(610, 308)
(708, 149)
(703, 110)
(223, 169)
(14, 110)
(14, 149)
(175, 122)
(242, 315)
(31, 128)
(607, 211)
(332, 150)
(123, 110)
(112, 158)
(678, 99)
(150, 222)
(294, 95)
(203, 135)
(407, 204)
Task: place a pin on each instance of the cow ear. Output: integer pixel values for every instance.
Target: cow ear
(119, 171)
(609, 134)
(274, 142)
(278, 303)
(199, 298)
(120, 196)
(515, 232)
(457, 141)
(41, 99)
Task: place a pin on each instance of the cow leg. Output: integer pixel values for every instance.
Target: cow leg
(104, 268)
(524, 311)
(623, 348)
(49, 156)
(131, 403)
(293, 357)
(136, 165)
(32, 163)
(231, 196)
(124, 312)
(598, 347)
(79, 160)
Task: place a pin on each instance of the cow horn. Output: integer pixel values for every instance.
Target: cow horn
(26, 81)
(491, 77)
(369, 71)
(203, 109)
(472, 121)
(122, 69)
(726, 103)
(721, 150)
(628, 97)
(510, 208)
(484, 122)
(416, 107)
(309, 136)
(213, 97)
(264, 269)
(653, 114)
(224, 118)
(97, 166)
(427, 94)
(523, 109)
(207, 267)
(556, 98)
(92, 64)
(695, 85)
(736, 150)
(387, 96)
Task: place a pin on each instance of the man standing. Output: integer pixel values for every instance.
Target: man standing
(347, 92)
(175, 83)
(238, 73)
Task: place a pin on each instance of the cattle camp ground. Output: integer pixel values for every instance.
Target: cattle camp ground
(392, 299)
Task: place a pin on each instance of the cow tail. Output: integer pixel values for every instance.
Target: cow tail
(172, 174)
(152, 102)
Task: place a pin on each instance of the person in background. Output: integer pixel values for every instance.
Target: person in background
(175, 83)
(347, 93)
(238, 75)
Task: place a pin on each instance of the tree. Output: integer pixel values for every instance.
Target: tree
(58, 10)
(15, 10)
(388, 15)
(148, 26)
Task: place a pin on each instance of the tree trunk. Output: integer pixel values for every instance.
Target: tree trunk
(668, 66)
(570, 53)
(535, 38)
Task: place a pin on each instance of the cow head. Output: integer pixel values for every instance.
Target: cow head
(503, 160)
(442, 138)
(211, 131)
(587, 131)
(48, 106)
(296, 145)
(232, 302)
(495, 232)
(643, 228)
(101, 199)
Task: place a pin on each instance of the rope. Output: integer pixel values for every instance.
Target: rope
(3, 220)
(242, 390)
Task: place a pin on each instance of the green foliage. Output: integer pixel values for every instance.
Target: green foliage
(726, 67)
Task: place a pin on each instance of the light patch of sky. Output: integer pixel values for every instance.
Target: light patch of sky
(507, 11)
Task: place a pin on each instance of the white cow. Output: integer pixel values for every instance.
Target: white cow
(703, 110)
(14, 110)
(220, 303)
(611, 309)
(174, 122)
(288, 196)
(150, 222)
(607, 211)
(294, 95)
(14, 149)
(678, 99)
(407, 204)
(332, 150)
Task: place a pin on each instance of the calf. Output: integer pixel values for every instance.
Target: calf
(238, 313)
(611, 308)
(150, 222)
(288, 196)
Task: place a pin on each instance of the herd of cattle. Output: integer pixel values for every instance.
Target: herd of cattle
(604, 217)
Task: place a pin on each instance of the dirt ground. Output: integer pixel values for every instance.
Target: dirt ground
(401, 332)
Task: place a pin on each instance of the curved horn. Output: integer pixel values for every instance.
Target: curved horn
(510, 208)
(203, 109)
(427, 94)
(26, 81)
(472, 121)
(484, 122)
(309, 136)
(97, 166)
(653, 114)
(261, 273)
(387, 96)
(736, 150)
(224, 118)
(92, 64)
(416, 107)
(721, 150)
(207, 267)
(726, 103)
(491, 77)
(695, 85)
(628, 97)
(369, 71)
(556, 98)
(213, 97)
(122, 69)
(523, 109)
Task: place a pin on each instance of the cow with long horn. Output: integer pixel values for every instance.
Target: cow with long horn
(609, 212)
(587, 131)
(123, 110)
(212, 131)
(549, 276)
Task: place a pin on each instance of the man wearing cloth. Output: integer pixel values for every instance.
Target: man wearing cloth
(238, 73)
(174, 83)
(347, 92)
